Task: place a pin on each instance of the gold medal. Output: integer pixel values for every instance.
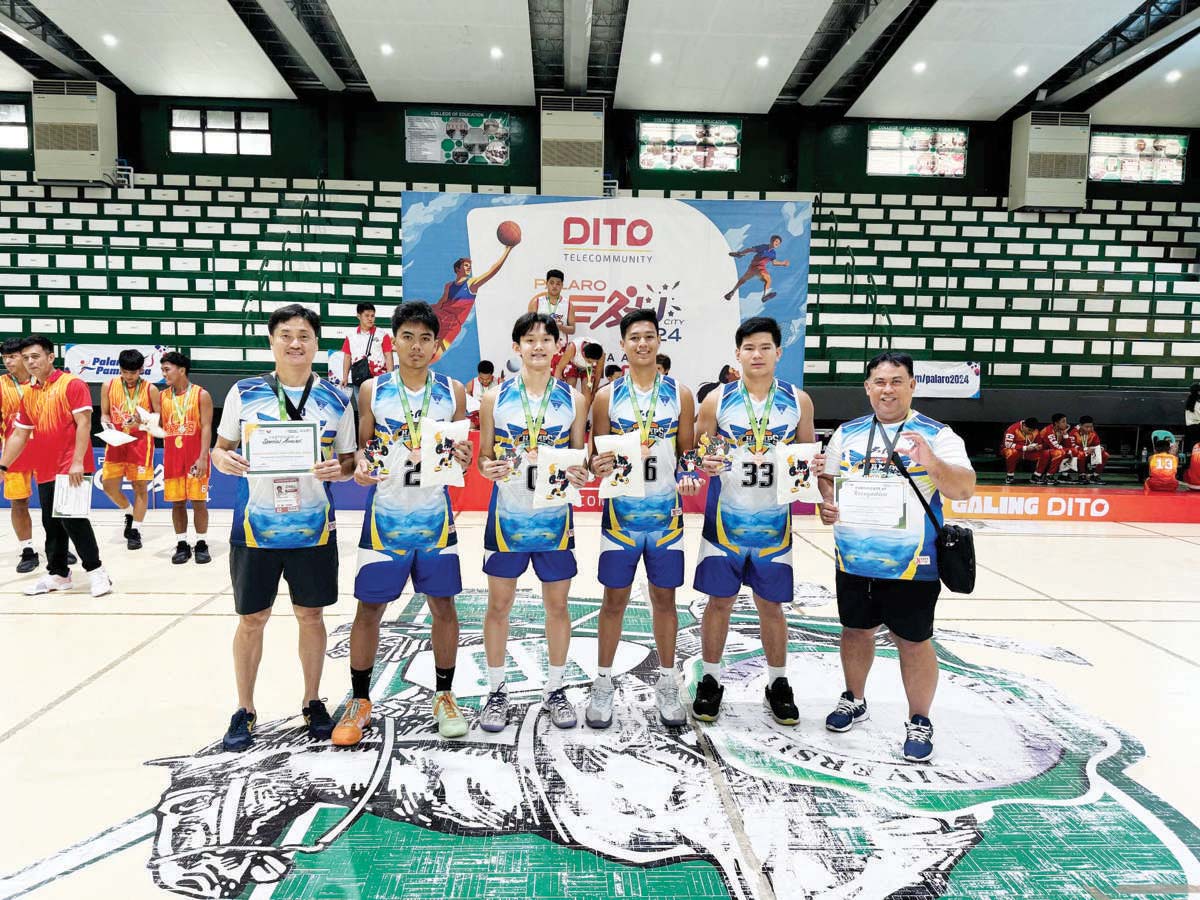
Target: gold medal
(645, 451)
(178, 442)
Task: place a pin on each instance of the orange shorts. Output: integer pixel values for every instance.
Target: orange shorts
(18, 485)
(128, 471)
(185, 488)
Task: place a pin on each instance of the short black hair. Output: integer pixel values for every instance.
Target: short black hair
(893, 358)
(1162, 446)
(724, 373)
(529, 321)
(641, 314)
(365, 306)
(1057, 417)
(611, 370)
(294, 311)
(663, 360)
(131, 360)
(175, 358)
(38, 340)
(1086, 420)
(485, 367)
(756, 324)
(593, 351)
(776, 237)
(12, 345)
(556, 273)
(1031, 422)
(458, 262)
(705, 390)
(415, 311)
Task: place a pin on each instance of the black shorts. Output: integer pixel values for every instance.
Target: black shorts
(311, 574)
(905, 607)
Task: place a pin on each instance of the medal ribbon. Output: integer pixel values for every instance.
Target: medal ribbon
(180, 410)
(131, 401)
(534, 426)
(414, 428)
(888, 446)
(286, 409)
(758, 426)
(17, 385)
(645, 423)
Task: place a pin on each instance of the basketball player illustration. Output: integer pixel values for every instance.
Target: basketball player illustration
(764, 255)
(458, 296)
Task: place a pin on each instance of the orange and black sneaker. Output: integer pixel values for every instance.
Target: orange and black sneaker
(356, 718)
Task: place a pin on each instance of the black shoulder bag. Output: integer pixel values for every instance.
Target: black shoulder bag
(955, 544)
(360, 370)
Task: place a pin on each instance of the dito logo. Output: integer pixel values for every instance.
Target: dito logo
(615, 232)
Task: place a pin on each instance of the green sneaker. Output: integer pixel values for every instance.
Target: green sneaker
(450, 720)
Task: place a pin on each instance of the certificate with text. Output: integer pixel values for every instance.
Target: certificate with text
(281, 448)
(870, 502)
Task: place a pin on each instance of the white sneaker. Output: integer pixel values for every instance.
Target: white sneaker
(599, 710)
(666, 695)
(48, 583)
(101, 583)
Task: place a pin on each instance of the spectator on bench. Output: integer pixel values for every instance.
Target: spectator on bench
(1191, 478)
(1020, 443)
(1084, 446)
(1053, 450)
(1164, 464)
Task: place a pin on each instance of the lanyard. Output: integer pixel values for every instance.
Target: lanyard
(645, 423)
(414, 428)
(17, 385)
(758, 426)
(532, 425)
(288, 410)
(890, 447)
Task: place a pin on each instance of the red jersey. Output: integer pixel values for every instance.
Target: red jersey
(48, 410)
(11, 392)
(1075, 439)
(1192, 475)
(1014, 438)
(1163, 469)
(1049, 439)
(181, 421)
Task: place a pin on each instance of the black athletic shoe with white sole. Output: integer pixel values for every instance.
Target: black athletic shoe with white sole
(707, 705)
(780, 701)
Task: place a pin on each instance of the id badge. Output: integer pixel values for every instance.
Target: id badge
(287, 495)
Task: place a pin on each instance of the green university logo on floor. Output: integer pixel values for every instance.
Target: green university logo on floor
(1027, 798)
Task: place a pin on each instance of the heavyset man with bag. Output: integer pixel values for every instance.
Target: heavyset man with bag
(883, 478)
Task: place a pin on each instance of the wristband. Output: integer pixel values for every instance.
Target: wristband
(3, 469)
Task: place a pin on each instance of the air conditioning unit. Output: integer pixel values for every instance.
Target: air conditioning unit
(1049, 161)
(74, 132)
(573, 146)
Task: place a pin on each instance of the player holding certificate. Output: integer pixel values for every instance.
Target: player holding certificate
(408, 531)
(532, 410)
(747, 537)
(647, 528)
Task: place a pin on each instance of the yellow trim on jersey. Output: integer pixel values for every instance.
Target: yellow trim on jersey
(248, 532)
(669, 536)
(722, 537)
(376, 541)
(787, 540)
(501, 543)
(446, 519)
(564, 544)
(614, 529)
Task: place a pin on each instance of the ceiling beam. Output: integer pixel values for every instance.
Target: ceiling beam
(876, 23)
(577, 39)
(22, 34)
(1176, 30)
(283, 17)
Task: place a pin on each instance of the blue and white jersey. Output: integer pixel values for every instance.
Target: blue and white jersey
(742, 508)
(659, 509)
(401, 514)
(513, 524)
(256, 521)
(909, 553)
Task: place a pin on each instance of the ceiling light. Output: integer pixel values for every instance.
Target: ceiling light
(1021, 71)
(762, 62)
(109, 40)
(919, 67)
(1173, 76)
(655, 58)
(386, 49)
(497, 53)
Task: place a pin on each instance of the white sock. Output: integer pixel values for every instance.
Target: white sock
(604, 673)
(26, 544)
(664, 672)
(182, 536)
(713, 669)
(496, 677)
(201, 536)
(774, 672)
(554, 677)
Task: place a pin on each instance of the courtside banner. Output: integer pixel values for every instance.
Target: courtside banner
(1084, 505)
(97, 363)
(947, 379)
(480, 259)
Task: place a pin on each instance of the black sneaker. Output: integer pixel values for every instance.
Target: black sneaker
(1009, 479)
(202, 554)
(133, 539)
(72, 559)
(707, 705)
(28, 561)
(1035, 478)
(182, 553)
(779, 700)
(316, 716)
(241, 731)
(1096, 479)
(128, 525)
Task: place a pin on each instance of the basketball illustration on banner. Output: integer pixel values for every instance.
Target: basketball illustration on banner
(508, 233)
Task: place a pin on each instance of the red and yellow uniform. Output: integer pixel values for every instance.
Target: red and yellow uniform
(18, 482)
(1192, 475)
(182, 445)
(1018, 447)
(1053, 451)
(135, 460)
(1164, 468)
(1081, 446)
(48, 410)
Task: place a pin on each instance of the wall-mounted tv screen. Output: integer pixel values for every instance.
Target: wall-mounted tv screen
(689, 145)
(1137, 158)
(932, 151)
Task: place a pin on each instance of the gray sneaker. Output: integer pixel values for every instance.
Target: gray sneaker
(666, 695)
(600, 705)
(494, 716)
(562, 713)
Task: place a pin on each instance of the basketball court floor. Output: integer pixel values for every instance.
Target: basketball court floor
(1065, 721)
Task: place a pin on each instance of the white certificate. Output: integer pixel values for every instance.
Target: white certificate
(870, 502)
(550, 485)
(70, 501)
(796, 481)
(281, 448)
(627, 478)
(115, 438)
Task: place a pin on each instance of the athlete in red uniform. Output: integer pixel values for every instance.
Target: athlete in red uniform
(1020, 443)
(1191, 478)
(1053, 450)
(1084, 445)
(1164, 467)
